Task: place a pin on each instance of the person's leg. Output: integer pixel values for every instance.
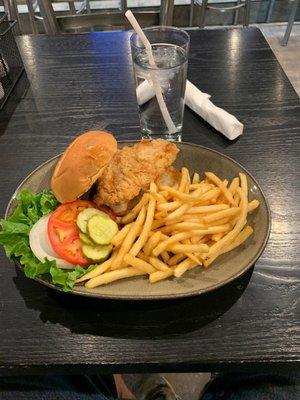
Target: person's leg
(79, 387)
(122, 389)
(242, 386)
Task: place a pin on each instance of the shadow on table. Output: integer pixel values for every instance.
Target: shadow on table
(130, 319)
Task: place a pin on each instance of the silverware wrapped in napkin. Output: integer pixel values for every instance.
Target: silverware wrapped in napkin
(201, 104)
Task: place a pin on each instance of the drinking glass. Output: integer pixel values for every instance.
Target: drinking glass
(170, 48)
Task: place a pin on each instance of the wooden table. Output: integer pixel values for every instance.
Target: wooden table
(79, 82)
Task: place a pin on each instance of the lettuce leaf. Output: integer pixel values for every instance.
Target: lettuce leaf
(14, 236)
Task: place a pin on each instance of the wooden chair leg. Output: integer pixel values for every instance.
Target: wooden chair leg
(203, 13)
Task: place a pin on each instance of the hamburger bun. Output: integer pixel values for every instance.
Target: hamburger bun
(81, 164)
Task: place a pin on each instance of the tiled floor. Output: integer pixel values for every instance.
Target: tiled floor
(288, 56)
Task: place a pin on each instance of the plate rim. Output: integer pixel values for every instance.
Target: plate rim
(155, 297)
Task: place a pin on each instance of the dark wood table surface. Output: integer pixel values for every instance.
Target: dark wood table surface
(80, 82)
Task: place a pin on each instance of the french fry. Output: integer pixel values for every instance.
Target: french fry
(244, 183)
(196, 239)
(175, 221)
(198, 219)
(138, 245)
(176, 238)
(253, 205)
(175, 215)
(160, 214)
(139, 264)
(194, 258)
(219, 222)
(188, 248)
(193, 197)
(181, 268)
(130, 238)
(217, 181)
(230, 236)
(158, 264)
(187, 186)
(204, 185)
(165, 256)
(157, 224)
(176, 259)
(234, 185)
(164, 194)
(230, 212)
(100, 269)
(160, 275)
(121, 235)
(152, 242)
(207, 209)
(219, 228)
(169, 206)
(183, 226)
(217, 236)
(143, 256)
(112, 276)
(184, 179)
(241, 238)
(196, 178)
(158, 197)
(236, 199)
(134, 212)
(208, 195)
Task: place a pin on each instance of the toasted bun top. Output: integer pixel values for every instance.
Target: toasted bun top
(80, 165)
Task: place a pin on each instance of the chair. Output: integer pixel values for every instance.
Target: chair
(239, 4)
(106, 19)
(47, 13)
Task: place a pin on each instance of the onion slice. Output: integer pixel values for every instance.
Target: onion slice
(40, 244)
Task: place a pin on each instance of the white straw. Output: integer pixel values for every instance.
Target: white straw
(156, 86)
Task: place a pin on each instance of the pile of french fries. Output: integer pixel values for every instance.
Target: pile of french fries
(176, 228)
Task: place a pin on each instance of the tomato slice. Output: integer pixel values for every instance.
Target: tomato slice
(63, 232)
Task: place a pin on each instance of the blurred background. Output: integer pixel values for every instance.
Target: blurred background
(34, 16)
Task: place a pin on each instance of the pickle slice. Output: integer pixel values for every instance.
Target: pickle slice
(85, 215)
(96, 253)
(86, 239)
(101, 229)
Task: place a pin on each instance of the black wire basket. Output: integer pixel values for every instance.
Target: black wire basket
(11, 65)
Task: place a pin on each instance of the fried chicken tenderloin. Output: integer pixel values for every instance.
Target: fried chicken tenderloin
(131, 169)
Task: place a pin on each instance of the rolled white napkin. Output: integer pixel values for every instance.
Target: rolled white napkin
(200, 103)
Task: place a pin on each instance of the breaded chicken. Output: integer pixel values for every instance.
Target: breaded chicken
(169, 177)
(132, 169)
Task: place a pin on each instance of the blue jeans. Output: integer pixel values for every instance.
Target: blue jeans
(237, 386)
(263, 386)
(52, 387)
